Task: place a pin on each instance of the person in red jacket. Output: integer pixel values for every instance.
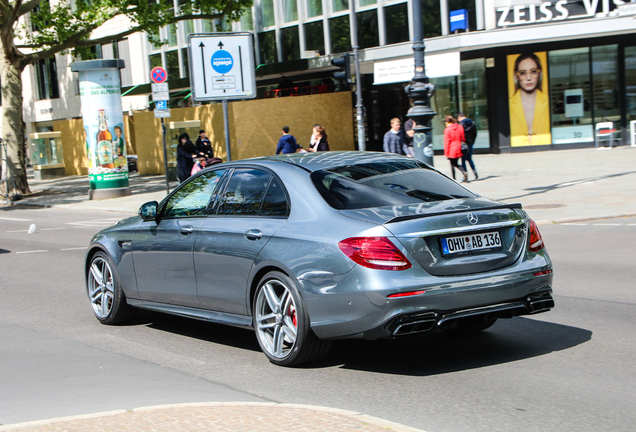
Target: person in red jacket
(453, 138)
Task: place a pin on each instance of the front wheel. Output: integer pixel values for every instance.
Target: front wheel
(282, 323)
(105, 292)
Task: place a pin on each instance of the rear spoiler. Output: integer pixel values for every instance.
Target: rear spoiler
(425, 215)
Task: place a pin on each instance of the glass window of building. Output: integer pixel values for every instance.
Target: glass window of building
(46, 76)
(247, 20)
(267, 13)
(188, 28)
(630, 82)
(368, 28)
(570, 96)
(340, 34)
(184, 62)
(207, 26)
(315, 37)
(444, 103)
(340, 5)
(290, 10)
(314, 8)
(469, 5)
(290, 43)
(267, 46)
(473, 98)
(172, 31)
(367, 2)
(431, 17)
(155, 60)
(172, 64)
(607, 97)
(396, 21)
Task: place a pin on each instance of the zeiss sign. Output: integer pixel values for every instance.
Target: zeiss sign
(555, 11)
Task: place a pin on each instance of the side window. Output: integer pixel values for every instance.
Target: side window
(275, 201)
(244, 192)
(193, 197)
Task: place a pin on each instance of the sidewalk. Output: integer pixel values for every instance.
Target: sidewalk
(553, 186)
(217, 417)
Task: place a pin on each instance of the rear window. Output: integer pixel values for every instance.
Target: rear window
(385, 184)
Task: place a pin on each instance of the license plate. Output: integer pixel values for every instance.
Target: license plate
(470, 242)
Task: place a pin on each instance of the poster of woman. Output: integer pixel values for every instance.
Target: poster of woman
(529, 101)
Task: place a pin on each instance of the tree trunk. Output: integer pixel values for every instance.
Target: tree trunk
(13, 127)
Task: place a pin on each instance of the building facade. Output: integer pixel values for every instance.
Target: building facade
(533, 75)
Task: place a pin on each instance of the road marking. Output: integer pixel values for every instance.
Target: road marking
(631, 224)
(36, 251)
(95, 222)
(15, 219)
(609, 224)
(18, 231)
(572, 223)
(76, 248)
(51, 229)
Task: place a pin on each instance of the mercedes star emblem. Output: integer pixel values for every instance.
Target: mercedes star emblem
(472, 218)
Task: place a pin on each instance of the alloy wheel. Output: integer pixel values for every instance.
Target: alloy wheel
(101, 287)
(276, 318)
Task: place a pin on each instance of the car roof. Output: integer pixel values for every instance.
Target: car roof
(330, 159)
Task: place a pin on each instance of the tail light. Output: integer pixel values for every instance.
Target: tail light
(536, 242)
(374, 252)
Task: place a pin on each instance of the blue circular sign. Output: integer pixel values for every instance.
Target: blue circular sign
(222, 62)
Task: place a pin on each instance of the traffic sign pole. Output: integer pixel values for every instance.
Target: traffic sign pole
(161, 95)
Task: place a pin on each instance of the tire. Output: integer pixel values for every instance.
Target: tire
(282, 323)
(469, 327)
(105, 293)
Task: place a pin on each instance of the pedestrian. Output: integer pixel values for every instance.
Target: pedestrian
(394, 139)
(203, 145)
(287, 143)
(198, 165)
(409, 133)
(185, 154)
(470, 134)
(319, 140)
(453, 138)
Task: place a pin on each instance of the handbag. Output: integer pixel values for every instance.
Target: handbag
(464, 148)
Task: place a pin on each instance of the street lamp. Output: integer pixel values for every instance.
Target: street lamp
(421, 92)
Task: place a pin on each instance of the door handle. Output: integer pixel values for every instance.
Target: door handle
(186, 230)
(254, 234)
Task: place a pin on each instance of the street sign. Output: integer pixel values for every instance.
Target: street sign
(158, 75)
(221, 66)
(163, 87)
(160, 96)
(162, 113)
(161, 105)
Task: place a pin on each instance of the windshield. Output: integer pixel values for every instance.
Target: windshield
(385, 184)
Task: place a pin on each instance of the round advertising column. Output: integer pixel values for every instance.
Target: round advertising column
(100, 94)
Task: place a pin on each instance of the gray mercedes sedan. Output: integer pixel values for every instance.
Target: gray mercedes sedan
(308, 248)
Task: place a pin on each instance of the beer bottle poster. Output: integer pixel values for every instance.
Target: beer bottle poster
(100, 93)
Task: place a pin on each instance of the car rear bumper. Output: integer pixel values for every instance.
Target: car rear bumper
(355, 306)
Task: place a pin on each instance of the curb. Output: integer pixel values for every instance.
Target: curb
(362, 418)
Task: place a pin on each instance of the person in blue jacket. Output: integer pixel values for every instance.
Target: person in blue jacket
(286, 143)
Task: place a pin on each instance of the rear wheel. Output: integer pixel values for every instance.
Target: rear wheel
(282, 323)
(105, 292)
(469, 326)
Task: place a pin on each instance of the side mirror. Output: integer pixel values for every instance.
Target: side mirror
(148, 211)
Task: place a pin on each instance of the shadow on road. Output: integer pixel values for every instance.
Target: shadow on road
(438, 353)
(544, 189)
(429, 354)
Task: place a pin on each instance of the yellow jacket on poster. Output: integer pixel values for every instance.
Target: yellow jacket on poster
(540, 125)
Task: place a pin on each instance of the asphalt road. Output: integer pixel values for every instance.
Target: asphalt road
(567, 370)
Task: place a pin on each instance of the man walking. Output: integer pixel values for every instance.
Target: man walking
(394, 140)
(286, 143)
(470, 134)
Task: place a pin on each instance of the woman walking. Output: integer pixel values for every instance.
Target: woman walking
(185, 154)
(319, 140)
(453, 138)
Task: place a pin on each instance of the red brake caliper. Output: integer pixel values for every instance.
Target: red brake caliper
(292, 310)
